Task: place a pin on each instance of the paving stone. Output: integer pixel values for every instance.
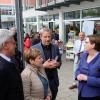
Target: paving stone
(66, 79)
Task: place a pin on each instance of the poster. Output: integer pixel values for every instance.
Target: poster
(88, 27)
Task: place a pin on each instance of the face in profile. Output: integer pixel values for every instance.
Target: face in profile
(11, 46)
(46, 38)
(38, 61)
(88, 45)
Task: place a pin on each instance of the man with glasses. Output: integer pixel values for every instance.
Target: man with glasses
(10, 79)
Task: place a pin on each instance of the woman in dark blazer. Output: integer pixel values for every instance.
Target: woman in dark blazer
(35, 82)
(88, 72)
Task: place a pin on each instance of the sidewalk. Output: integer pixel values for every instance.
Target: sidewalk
(65, 77)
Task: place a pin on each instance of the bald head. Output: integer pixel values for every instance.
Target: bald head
(81, 36)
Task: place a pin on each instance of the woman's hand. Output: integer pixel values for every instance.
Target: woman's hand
(82, 77)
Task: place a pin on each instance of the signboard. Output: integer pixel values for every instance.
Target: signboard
(88, 27)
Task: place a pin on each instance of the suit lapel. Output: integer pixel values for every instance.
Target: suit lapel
(53, 52)
(41, 49)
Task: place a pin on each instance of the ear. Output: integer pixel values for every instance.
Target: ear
(6, 45)
(31, 61)
(93, 45)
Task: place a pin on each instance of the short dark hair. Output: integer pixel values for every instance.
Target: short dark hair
(95, 39)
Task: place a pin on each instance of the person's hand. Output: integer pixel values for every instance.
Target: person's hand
(50, 64)
(46, 64)
(82, 77)
(48, 98)
(54, 63)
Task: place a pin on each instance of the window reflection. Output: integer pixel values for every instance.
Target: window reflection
(72, 15)
(91, 13)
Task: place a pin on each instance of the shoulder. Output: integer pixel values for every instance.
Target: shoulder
(26, 73)
(4, 65)
(36, 46)
(77, 41)
(55, 46)
(84, 55)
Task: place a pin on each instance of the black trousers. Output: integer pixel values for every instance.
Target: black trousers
(54, 94)
(88, 98)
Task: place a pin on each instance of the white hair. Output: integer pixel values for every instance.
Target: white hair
(44, 30)
(5, 34)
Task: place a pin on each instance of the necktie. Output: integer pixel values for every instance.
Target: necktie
(79, 52)
(80, 47)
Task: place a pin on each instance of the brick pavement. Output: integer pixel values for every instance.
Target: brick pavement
(65, 77)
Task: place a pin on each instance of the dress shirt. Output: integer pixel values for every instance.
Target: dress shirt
(77, 48)
(5, 57)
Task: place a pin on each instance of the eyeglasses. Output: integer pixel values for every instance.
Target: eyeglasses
(11, 41)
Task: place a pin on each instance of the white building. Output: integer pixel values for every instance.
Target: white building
(84, 15)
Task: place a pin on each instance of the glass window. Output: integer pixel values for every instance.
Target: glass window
(72, 15)
(56, 16)
(97, 27)
(31, 19)
(91, 13)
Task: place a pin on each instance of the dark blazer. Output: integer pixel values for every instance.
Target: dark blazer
(91, 87)
(10, 81)
(52, 74)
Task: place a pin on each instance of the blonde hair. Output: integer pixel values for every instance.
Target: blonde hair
(31, 53)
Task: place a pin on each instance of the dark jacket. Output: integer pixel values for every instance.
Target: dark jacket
(52, 74)
(10, 81)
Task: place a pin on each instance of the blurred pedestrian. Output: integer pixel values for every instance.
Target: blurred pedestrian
(27, 41)
(17, 58)
(36, 38)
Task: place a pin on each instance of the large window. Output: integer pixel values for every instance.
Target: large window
(50, 17)
(31, 19)
(72, 15)
(91, 13)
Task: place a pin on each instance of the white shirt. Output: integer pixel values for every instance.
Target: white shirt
(5, 57)
(77, 44)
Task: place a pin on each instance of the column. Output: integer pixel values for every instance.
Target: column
(61, 26)
(38, 23)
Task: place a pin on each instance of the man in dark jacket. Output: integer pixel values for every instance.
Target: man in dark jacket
(52, 59)
(10, 79)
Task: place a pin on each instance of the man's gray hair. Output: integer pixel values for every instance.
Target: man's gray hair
(5, 34)
(44, 30)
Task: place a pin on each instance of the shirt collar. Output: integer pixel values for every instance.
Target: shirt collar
(5, 57)
(46, 46)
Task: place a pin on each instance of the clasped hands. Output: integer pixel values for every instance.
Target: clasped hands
(82, 77)
(51, 63)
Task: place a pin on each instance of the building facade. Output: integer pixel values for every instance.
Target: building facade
(7, 13)
(83, 15)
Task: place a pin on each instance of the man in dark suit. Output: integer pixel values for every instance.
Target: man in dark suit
(10, 79)
(52, 59)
